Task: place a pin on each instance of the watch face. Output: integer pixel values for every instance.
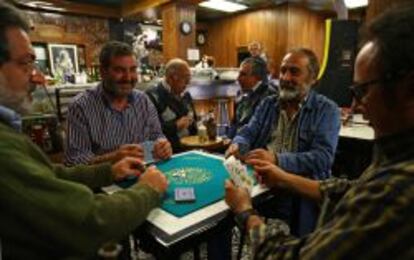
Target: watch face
(185, 27)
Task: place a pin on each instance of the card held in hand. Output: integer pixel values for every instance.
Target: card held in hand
(238, 173)
(148, 147)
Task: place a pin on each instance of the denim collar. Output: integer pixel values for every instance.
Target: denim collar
(11, 118)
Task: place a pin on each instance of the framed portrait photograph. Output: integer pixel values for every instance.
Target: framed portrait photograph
(63, 59)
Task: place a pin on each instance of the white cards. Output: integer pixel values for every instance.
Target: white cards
(238, 173)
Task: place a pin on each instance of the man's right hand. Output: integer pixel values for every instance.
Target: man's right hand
(268, 173)
(155, 179)
(128, 150)
(183, 122)
(232, 150)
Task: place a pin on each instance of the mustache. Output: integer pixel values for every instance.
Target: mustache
(287, 84)
(132, 82)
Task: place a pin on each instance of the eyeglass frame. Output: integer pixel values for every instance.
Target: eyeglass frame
(28, 65)
(359, 90)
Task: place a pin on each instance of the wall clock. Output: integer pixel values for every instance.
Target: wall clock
(201, 38)
(186, 27)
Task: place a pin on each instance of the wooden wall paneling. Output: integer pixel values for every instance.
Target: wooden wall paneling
(306, 29)
(175, 44)
(278, 29)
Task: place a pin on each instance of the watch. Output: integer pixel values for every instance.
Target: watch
(186, 27)
(242, 217)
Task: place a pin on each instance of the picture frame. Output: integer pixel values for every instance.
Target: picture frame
(63, 59)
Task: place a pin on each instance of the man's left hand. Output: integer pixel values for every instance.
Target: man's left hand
(237, 198)
(162, 149)
(261, 154)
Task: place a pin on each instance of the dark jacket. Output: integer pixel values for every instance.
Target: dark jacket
(177, 107)
(246, 107)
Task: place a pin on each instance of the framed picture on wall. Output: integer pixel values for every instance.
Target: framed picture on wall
(63, 59)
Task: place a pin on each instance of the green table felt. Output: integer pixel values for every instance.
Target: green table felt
(205, 173)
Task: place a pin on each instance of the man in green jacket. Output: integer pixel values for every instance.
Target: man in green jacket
(48, 211)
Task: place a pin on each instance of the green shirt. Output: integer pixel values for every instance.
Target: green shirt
(370, 218)
(50, 212)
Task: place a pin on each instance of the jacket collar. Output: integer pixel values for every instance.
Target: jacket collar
(11, 118)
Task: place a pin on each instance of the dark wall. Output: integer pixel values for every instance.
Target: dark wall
(338, 74)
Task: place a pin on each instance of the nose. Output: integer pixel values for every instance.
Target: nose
(287, 76)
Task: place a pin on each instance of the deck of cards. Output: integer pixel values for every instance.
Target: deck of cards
(184, 194)
(238, 173)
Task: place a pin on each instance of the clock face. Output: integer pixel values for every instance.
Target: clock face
(201, 38)
(186, 27)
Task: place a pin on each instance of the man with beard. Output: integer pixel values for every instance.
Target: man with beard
(254, 85)
(111, 121)
(298, 131)
(174, 105)
(49, 211)
(368, 218)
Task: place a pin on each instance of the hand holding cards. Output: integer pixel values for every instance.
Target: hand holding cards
(238, 173)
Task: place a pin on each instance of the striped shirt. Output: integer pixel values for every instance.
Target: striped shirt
(95, 128)
(370, 218)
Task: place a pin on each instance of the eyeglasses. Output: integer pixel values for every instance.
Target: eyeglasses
(28, 65)
(359, 90)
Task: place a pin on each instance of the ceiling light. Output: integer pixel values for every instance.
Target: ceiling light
(222, 5)
(355, 3)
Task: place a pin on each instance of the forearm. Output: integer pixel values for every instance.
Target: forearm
(107, 157)
(314, 164)
(304, 186)
(91, 176)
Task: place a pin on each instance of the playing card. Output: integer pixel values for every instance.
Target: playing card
(148, 147)
(238, 173)
(184, 194)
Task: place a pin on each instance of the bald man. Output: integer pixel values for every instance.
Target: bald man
(174, 105)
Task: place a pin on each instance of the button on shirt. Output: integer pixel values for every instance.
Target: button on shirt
(95, 128)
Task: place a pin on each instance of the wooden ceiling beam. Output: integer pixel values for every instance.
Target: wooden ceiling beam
(62, 6)
(134, 7)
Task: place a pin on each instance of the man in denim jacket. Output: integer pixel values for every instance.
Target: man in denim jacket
(298, 131)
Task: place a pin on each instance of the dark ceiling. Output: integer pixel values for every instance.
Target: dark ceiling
(110, 3)
(208, 14)
(203, 14)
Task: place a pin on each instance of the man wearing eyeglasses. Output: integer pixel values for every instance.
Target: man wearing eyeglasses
(296, 130)
(114, 120)
(48, 211)
(372, 217)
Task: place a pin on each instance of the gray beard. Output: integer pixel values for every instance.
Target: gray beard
(16, 101)
(288, 94)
